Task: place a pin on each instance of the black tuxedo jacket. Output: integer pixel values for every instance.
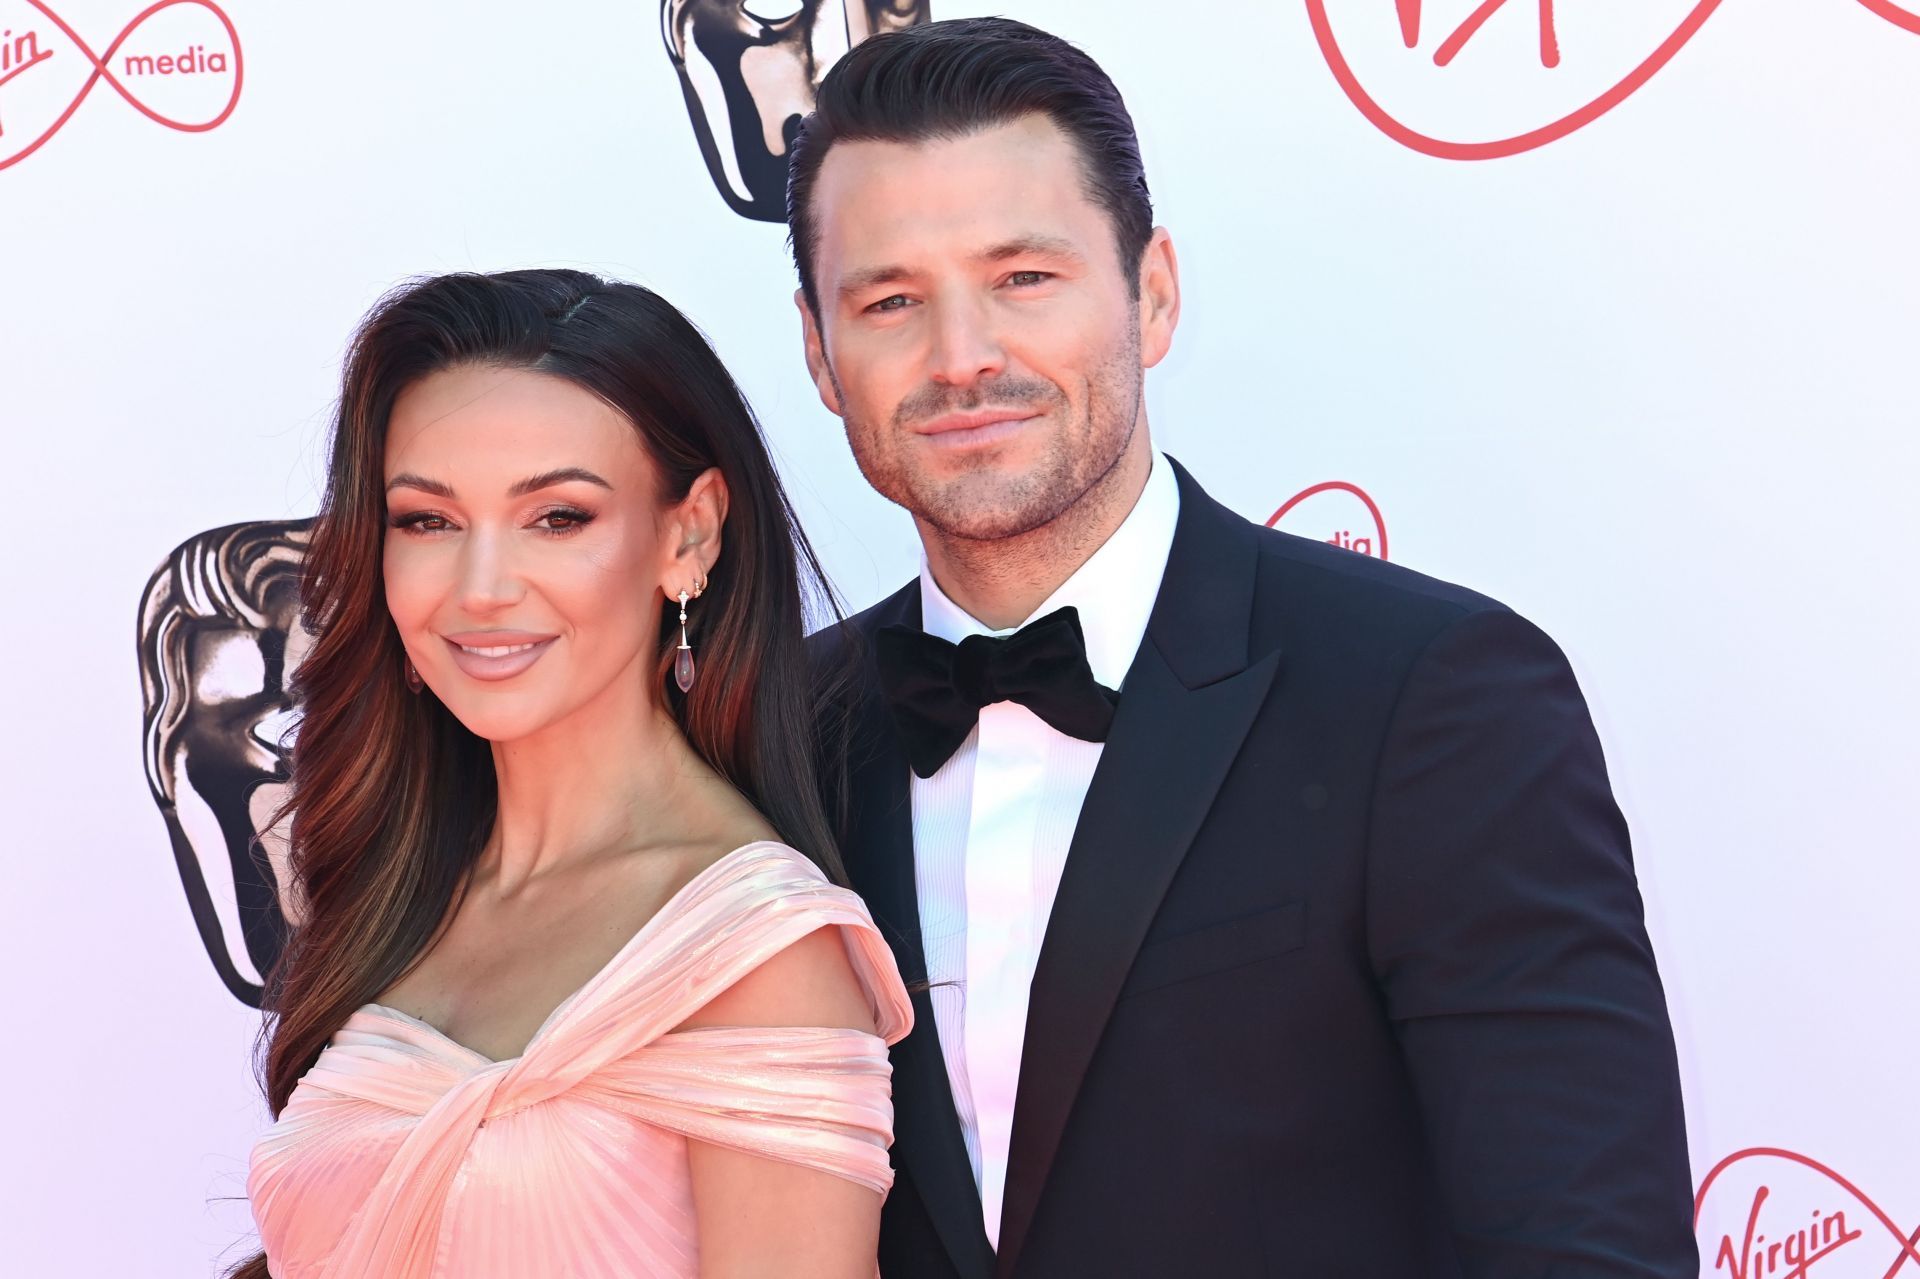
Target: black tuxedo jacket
(1347, 974)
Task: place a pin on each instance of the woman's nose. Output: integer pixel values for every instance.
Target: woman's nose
(489, 578)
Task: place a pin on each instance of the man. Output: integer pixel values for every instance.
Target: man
(1315, 950)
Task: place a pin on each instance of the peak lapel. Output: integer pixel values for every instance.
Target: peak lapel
(1189, 698)
(880, 860)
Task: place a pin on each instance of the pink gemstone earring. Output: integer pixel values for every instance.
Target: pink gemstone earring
(683, 660)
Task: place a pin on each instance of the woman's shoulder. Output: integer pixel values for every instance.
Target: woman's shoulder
(811, 982)
(806, 949)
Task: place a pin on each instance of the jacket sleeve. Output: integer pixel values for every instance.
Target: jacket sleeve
(1506, 932)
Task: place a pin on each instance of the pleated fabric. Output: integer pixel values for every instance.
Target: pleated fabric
(403, 1154)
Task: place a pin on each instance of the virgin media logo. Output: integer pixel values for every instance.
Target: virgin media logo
(176, 62)
(1337, 513)
(1481, 79)
(1765, 1213)
(1895, 14)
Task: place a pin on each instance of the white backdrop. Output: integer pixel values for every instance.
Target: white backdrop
(1651, 381)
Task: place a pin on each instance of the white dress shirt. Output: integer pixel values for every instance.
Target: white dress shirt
(991, 830)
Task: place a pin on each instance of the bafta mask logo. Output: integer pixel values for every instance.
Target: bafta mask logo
(750, 69)
(220, 635)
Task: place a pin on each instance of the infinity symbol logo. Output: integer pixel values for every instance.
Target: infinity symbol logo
(24, 50)
(1785, 1242)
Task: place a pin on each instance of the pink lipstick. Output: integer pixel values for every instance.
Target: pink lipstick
(496, 655)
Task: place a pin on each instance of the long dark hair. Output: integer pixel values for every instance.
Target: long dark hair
(392, 796)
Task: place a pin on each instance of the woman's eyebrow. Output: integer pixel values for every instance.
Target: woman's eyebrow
(520, 488)
(408, 480)
(547, 479)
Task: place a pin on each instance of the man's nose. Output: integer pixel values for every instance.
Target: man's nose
(966, 347)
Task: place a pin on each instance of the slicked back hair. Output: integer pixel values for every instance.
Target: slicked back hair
(948, 79)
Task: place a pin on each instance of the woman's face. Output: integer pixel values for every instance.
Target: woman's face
(527, 551)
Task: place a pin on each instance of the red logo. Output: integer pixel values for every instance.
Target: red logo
(1789, 1214)
(1338, 513)
(1895, 14)
(1375, 58)
(177, 62)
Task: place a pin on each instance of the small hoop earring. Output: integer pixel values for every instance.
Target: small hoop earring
(414, 682)
(683, 660)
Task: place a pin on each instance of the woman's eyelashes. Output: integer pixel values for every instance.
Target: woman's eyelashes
(571, 519)
(556, 521)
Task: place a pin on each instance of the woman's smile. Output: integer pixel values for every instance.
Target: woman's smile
(496, 655)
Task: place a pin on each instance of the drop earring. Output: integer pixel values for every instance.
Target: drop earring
(683, 660)
(414, 681)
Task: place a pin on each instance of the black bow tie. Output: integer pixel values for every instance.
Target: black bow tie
(936, 689)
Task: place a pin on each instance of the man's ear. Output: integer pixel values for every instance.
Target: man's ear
(1159, 298)
(816, 354)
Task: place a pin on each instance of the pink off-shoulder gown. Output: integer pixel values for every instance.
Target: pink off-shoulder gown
(403, 1155)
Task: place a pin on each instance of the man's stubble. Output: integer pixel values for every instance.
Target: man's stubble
(982, 507)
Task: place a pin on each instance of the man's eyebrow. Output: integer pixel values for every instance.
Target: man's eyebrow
(1036, 245)
(1046, 246)
(871, 277)
(532, 484)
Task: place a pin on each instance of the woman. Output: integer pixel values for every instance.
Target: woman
(575, 991)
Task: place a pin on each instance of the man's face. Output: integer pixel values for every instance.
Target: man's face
(976, 331)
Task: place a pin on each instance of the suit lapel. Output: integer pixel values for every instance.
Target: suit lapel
(880, 861)
(1189, 698)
